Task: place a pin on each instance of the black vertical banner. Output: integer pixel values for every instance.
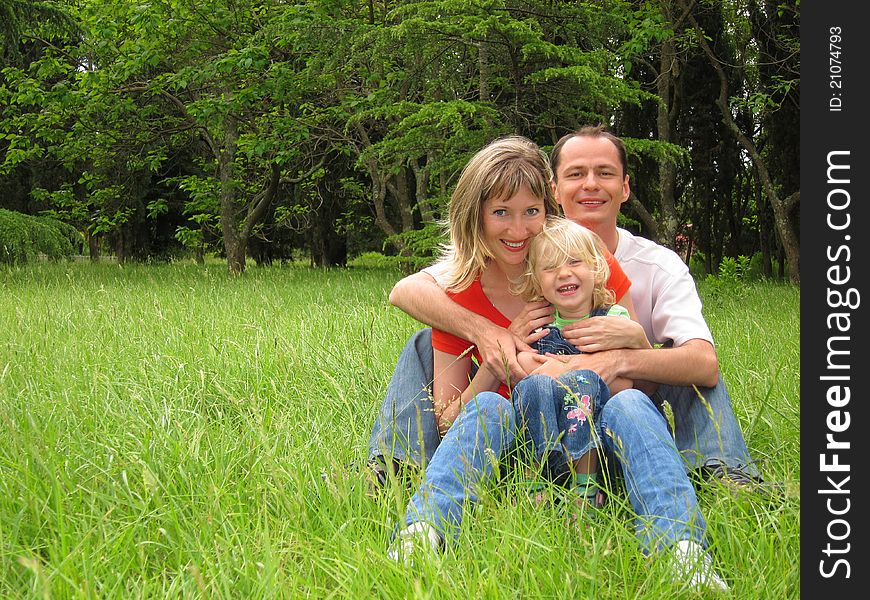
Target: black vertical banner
(835, 178)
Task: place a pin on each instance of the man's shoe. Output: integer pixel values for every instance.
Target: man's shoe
(691, 563)
(737, 481)
(376, 477)
(379, 471)
(418, 540)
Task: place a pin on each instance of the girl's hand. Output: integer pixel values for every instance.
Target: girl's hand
(552, 366)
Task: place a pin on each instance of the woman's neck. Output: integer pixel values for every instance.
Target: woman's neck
(496, 270)
(496, 286)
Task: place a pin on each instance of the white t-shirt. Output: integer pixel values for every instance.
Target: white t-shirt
(663, 292)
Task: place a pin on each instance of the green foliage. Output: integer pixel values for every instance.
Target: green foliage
(374, 260)
(24, 237)
(228, 97)
(420, 247)
(731, 278)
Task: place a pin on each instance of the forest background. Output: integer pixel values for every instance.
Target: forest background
(327, 129)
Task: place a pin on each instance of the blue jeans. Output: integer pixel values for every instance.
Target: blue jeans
(465, 460)
(405, 427)
(706, 430)
(635, 437)
(560, 418)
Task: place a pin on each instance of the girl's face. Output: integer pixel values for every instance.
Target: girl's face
(569, 288)
(509, 224)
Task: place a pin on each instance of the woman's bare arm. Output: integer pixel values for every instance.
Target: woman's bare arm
(421, 297)
(452, 388)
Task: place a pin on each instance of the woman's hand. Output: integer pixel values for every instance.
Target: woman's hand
(533, 316)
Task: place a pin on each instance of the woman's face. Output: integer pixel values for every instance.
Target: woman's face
(509, 224)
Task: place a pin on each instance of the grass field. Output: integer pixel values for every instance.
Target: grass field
(164, 431)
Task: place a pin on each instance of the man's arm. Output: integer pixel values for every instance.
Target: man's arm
(421, 297)
(693, 363)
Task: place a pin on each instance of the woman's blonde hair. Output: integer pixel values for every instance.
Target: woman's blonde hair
(498, 170)
(560, 241)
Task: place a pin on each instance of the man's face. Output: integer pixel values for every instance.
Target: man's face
(590, 184)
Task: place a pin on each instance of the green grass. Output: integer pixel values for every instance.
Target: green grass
(164, 429)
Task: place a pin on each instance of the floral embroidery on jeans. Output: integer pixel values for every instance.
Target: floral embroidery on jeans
(579, 412)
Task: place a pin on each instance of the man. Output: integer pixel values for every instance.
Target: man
(590, 183)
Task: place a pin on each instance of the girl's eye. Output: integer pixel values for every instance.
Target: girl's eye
(574, 262)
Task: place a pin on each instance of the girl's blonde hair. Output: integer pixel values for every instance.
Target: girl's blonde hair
(560, 241)
(498, 170)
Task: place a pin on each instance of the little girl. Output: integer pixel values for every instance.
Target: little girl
(566, 267)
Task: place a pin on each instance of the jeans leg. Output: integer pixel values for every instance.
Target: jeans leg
(706, 429)
(405, 426)
(583, 395)
(558, 417)
(636, 436)
(534, 398)
(484, 431)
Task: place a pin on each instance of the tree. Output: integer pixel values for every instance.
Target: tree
(782, 206)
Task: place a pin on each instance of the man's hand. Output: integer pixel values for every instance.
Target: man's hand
(597, 334)
(498, 349)
(607, 364)
(557, 365)
(533, 316)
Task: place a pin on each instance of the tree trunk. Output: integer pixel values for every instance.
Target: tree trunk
(93, 247)
(235, 244)
(640, 211)
(379, 195)
(485, 70)
(401, 192)
(421, 181)
(781, 208)
(666, 231)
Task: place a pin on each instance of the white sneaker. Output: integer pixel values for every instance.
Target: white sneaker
(416, 539)
(691, 563)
